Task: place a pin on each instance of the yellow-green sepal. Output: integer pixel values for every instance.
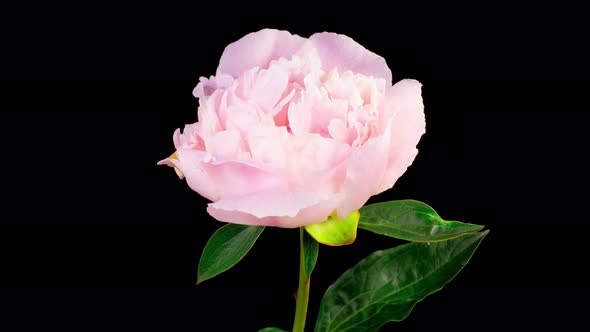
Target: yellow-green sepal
(334, 231)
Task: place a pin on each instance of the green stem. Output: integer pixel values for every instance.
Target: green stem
(302, 291)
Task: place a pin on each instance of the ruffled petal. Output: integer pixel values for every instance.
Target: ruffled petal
(264, 87)
(366, 168)
(342, 52)
(258, 49)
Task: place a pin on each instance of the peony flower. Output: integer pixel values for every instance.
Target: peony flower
(292, 130)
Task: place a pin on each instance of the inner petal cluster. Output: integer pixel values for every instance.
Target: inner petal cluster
(291, 117)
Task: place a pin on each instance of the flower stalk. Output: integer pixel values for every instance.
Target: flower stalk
(302, 290)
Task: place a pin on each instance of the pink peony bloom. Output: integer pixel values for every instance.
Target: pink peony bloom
(292, 130)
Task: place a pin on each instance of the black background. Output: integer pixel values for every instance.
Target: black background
(95, 236)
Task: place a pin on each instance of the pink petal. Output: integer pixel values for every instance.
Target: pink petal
(366, 168)
(299, 116)
(408, 125)
(344, 53)
(275, 208)
(312, 153)
(207, 86)
(325, 181)
(225, 179)
(258, 49)
(242, 116)
(264, 87)
(225, 144)
(267, 145)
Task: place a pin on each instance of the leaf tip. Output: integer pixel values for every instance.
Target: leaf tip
(200, 279)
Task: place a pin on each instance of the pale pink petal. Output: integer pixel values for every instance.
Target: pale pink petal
(267, 145)
(258, 49)
(189, 138)
(265, 204)
(208, 123)
(190, 164)
(224, 179)
(312, 153)
(242, 116)
(313, 214)
(366, 168)
(323, 111)
(299, 116)
(342, 52)
(340, 132)
(280, 111)
(207, 86)
(325, 181)
(242, 218)
(264, 87)
(275, 208)
(225, 144)
(176, 138)
(404, 99)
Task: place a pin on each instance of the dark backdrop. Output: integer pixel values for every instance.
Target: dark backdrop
(95, 236)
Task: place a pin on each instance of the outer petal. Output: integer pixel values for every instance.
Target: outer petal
(344, 53)
(365, 172)
(226, 179)
(275, 208)
(404, 99)
(258, 49)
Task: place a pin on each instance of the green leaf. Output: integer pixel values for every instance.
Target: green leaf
(310, 253)
(387, 284)
(412, 221)
(272, 329)
(334, 232)
(226, 247)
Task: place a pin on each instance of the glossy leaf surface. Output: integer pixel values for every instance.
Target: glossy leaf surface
(387, 284)
(226, 247)
(412, 221)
